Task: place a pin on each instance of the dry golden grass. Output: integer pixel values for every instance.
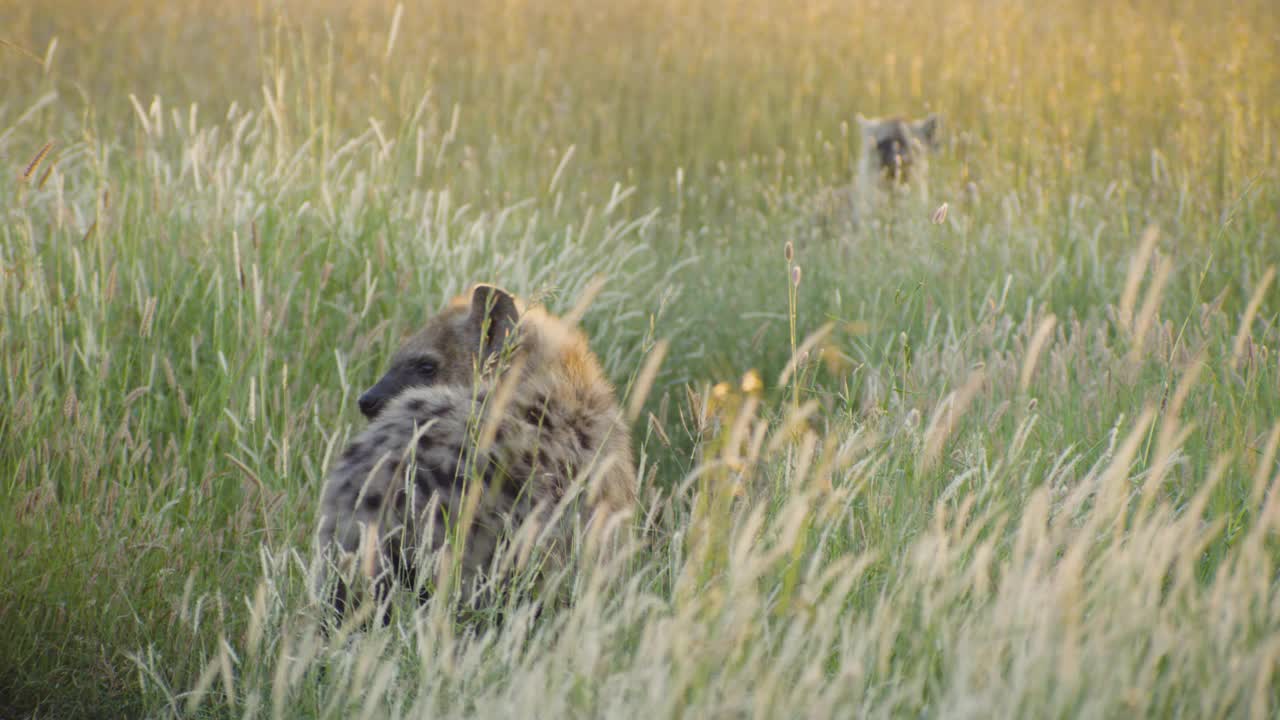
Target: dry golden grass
(1009, 453)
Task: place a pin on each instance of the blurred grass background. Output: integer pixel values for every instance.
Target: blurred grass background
(244, 205)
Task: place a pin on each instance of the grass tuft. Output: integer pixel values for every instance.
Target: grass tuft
(1009, 449)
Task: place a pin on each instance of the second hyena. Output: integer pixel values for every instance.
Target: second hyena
(895, 153)
(492, 410)
(894, 162)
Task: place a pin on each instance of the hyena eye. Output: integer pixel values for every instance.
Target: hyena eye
(425, 366)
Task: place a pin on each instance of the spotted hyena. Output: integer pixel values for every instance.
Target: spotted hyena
(895, 153)
(493, 412)
(894, 163)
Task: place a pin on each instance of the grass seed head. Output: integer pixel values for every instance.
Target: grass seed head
(940, 215)
(35, 161)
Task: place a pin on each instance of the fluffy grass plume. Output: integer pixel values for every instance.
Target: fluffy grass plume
(1008, 453)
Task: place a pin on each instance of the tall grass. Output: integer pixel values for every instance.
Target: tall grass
(1023, 465)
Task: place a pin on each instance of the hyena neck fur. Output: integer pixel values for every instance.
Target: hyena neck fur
(557, 367)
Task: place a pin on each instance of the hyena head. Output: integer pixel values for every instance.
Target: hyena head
(453, 346)
(896, 148)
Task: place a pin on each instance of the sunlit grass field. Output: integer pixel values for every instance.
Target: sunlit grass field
(1021, 462)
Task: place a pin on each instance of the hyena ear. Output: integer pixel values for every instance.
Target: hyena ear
(927, 129)
(493, 316)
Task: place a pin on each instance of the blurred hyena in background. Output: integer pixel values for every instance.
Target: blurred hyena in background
(484, 425)
(895, 153)
(893, 166)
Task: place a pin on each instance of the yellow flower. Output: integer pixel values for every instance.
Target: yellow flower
(835, 361)
(719, 396)
(751, 382)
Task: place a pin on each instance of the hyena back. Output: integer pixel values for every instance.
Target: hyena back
(490, 400)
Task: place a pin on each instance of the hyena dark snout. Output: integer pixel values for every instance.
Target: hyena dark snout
(417, 372)
(895, 157)
(369, 406)
(375, 398)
